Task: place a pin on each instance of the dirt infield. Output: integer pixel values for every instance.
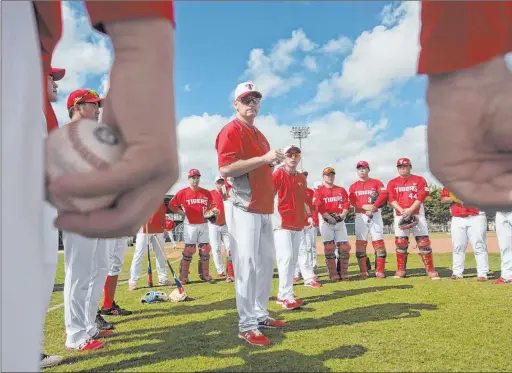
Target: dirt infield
(441, 243)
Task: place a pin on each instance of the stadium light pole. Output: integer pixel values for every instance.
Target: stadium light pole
(300, 133)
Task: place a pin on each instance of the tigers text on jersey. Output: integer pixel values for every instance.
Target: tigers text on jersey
(289, 200)
(406, 190)
(360, 193)
(194, 202)
(218, 201)
(459, 210)
(310, 193)
(328, 200)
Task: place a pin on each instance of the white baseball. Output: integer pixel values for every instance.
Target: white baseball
(81, 146)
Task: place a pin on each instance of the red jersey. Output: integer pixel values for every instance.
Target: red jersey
(290, 199)
(194, 202)
(49, 23)
(169, 224)
(460, 34)
(218, 201)
(360, 194)
(252, 191)
(329, 200)
(156, 223)
(310, 193)
(456, 209)
(407, 190)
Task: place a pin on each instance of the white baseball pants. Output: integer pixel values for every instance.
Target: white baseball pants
(504, 233)
(336, 233)
(253, 253)
(141, 253)
(421, 229)
(171, 237)
(22, 194)
(116, 256)
(306, 261)
(365, 226)
(472, 229)
(218, 234)
(287, 244)
(86, 263)
(195, 233)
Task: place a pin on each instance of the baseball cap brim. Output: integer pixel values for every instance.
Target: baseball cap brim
(254, 93)
(99, 100)
(57, 73)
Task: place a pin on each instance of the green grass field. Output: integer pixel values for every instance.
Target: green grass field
(388, 325)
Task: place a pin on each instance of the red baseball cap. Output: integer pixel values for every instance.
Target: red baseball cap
(57, 73)
(363, 164)
(194, 172)
(305, 173)
(84, 95)
(403, 162)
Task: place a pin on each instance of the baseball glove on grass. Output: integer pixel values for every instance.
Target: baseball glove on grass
(407, 222)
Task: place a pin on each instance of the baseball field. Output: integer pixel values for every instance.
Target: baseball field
(412, 324)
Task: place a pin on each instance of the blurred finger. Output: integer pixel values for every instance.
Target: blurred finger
(133, 209)
(133, 169)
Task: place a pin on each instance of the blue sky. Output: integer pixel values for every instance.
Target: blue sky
(365, 54)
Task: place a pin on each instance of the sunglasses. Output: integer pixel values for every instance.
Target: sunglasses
(89, 93)
(247, 100)
(293, 155)
(195, 177)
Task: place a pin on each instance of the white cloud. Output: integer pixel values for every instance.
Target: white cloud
(187, 88)
(269, 72)
(84, 53)
(381, 57)
(337, 46)
(336, 139)
(309, 63)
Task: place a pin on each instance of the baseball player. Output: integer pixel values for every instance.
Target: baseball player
(307, 252)
(86, 259)
(245, 158)
(228, 213)
(367, 195)
(152, 231)
(504, 233)
(115, 264)
(35, 28)
(218, 230)
(52, 236)
(333, 205)
(170, 225)
(288, 222)
(194, 204)
(468, 224)
(406, 194)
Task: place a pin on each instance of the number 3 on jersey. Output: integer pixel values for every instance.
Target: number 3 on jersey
(413, 196)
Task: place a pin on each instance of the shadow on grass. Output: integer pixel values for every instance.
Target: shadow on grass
(338, 294)
(211, 338)
(292, 361)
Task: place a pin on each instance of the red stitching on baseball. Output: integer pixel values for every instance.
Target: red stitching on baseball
(77, 144)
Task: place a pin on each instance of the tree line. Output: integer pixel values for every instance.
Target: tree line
(435, 211)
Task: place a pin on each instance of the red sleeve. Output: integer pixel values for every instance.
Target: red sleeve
(319, 202)
(391, 192)
(276, 178)
(175, 202)
(423, 191)
(351, 195)
(346, 202)
(229, 146)
(460, 34)
(101, 12)
(211, 202)
(445, 193)
(383, 195)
